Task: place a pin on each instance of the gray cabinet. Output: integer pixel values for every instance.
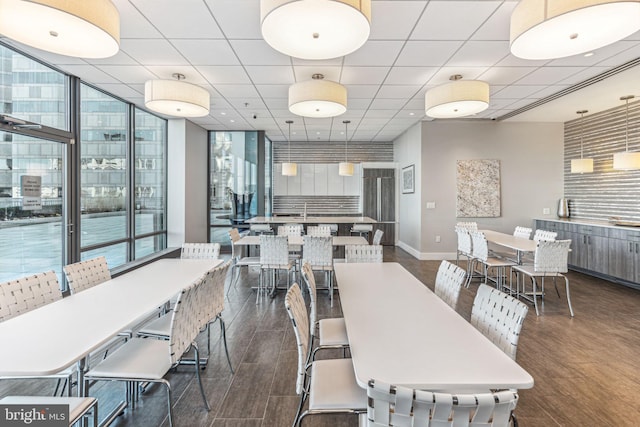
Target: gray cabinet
(589, 251)
(624, 255)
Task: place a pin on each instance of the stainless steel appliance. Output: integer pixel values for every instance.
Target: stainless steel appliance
(379, 201)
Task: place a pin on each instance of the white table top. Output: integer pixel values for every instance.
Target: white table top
(311, 220)
(299, 240)
(401, 333)
(509, 241)
(52, 337)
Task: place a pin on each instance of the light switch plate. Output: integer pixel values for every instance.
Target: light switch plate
(546, 211)
(431, 205)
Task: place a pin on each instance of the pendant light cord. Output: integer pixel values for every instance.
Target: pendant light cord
(289, 123)
(346, 124)
(626, 129)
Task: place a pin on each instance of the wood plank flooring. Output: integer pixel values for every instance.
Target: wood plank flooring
(585, 368)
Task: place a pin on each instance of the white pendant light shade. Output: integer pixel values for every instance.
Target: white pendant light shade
(581, 165)
(548, 29)
(79, 28)
(176, 98)
(627, 160)
(315, 29)
(345, 169)
(289, 169)
(317, 98)
(459, 98)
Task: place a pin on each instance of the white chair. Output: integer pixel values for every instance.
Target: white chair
(499, 317)
(481, 255)
(331, 386)
(79, 407)
(363, 253)
(522, 232)
(362, 230)
(290, 230)
(259, 229)
(545, 235)
(149, 360)
(28, 293)
(212, 298)
(549, 260)
(86, 274)
(237, 259)
(396, 406)
(274, 255)
(318, 253)
(331, 333)
(319, 230)
(377, 237)
(333, 228)
(465, 247)
(471, 226)
(200, 251)
(449, 280)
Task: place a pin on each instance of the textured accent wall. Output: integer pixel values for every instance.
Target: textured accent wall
(333, 152)
(316, 205)
(606, 192)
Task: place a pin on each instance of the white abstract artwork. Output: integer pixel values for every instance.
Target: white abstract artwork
(478, 188)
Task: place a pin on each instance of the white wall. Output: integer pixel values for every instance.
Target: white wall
(531, 173)
(187, 181)
(407, 150)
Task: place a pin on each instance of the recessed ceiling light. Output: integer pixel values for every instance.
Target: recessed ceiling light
(232, 121)
(412, 114)
(223, 113)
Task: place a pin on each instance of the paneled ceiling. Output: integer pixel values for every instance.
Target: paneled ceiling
(414, 45)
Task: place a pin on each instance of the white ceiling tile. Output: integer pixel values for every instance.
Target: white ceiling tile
(237, 91)
(191, 75)
(497, 26)
(121, 90)
(358, 103)
(597, 56)
(375, 52)
(583, 75)
(47, 57)
(387, 14)
(119, 58)
(410, 75)
(548, 90)
(427, 53)
(453, 20)
(505, 75)
(133, 24)
(517, 92)
(281, 104)
(548, 75)
(388, 104)
(305, 72)
(622, 57)
(468, 73)
(206, 52)
(152, 52)
(224, 75)
(513, 61)
(398, 91)
(480, 53)
(258, 52)
(90, 74)
(239, 19)
(133, 74)
(189, 19)
(363, 75)
(381, 114)
(272, 91)
(362, 91)
(268, 74)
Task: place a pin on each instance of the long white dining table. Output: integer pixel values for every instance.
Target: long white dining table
(51, 338)
(518, 244)
(401, 333)
(299, 240)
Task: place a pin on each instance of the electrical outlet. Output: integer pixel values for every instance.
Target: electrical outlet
(437, 239)
(546, 211)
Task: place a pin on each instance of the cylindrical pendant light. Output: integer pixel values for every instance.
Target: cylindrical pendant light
(317, 98)
(345, 168)
(548, 29)
(582, 165)
(289, 168)
(176, 98)
(626, 160)
(459, 98)
(315, 29)
(80, 28)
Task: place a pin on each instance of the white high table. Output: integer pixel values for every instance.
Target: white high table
(299, 240)
(518, 244)
(401, 333)
(50, 338)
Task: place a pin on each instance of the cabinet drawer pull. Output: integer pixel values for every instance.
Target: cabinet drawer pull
(637, 247)
(630, 247)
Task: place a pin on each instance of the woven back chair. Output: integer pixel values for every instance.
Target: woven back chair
(297, 311)
(471, 226)
(545, 235)
(449, 281)
(479, 245)
(464, 245)
(377, 237)
(274, 255)
(290, 230)
(363, 253)
(200, 251)
(499, 317)
(319, 230)
(392, 406)
(523, 232)
(318, 251)
(28, 293)
(86, 274)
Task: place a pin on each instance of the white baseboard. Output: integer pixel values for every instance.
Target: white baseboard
(426, 256)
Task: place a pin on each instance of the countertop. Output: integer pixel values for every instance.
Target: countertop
(594, 222)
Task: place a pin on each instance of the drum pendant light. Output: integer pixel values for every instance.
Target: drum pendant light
(581, 165)
(317, 98)
(460, 98)
(176, 98)
(288, 168)
(79, 28)
(315, 29)
(626, 160)
(345, 168)
(549, 29)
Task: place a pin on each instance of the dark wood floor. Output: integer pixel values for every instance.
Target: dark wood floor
(586, 369)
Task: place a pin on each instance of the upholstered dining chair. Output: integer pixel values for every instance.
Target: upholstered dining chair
(499, 317)
(396, 406)
(363, 253)
(480, 250)
(449, 280)
(149, 360)
(328, 385)
(549, 261)
(318, 253)
(330, 333)
(274, 256)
